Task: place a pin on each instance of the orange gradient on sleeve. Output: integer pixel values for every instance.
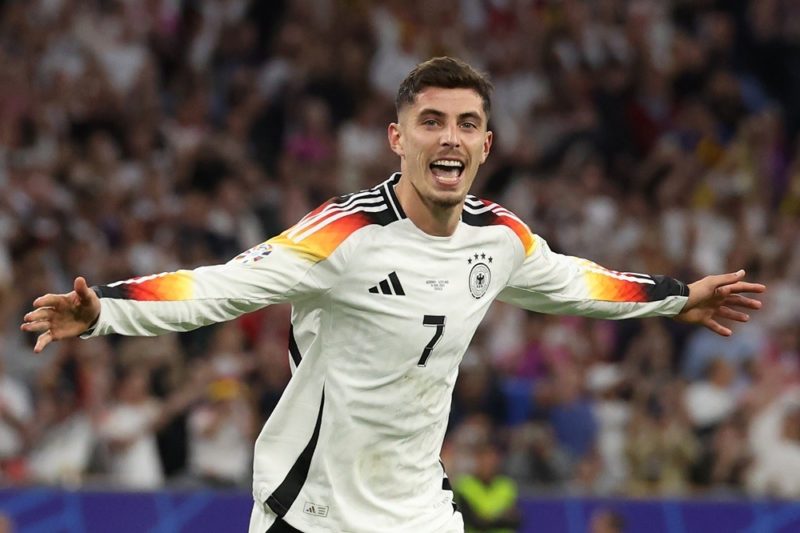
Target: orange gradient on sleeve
(162, 287)
(320, 244)
(609, 289)
(522, 231)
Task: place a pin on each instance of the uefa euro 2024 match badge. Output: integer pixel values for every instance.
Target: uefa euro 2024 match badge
(255, 254)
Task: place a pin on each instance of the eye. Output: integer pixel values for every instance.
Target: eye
(469, 125)
(430, 122)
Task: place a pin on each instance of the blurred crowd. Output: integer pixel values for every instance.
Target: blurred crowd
(139, 136)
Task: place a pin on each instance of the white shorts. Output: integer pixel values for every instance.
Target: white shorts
(261, 521)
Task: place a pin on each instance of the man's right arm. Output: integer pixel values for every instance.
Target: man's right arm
(188, 299)
(297, 264)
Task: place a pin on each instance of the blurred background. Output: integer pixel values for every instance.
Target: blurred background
(139, 136)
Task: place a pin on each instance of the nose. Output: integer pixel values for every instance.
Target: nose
(450, 136)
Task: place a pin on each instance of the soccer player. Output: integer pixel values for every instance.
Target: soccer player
(388, 286)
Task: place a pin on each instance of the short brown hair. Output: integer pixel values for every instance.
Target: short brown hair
(448, 73)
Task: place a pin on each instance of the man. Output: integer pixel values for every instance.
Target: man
(487, 499)
(388, 286)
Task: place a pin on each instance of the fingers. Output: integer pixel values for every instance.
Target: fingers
(744, 286)
(739, 287)
(48, 300)
(727, 312)
(734, 281)
(43, 313)
(57, 316)
(82, 288)
(721, 280)
(43, 340)
(742, 301)
(38, 326)
(717, 328)
(38, 321)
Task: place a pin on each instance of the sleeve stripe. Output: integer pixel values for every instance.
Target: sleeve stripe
(494, 208)
(479, 210)
(349, 205)
(509, 214)
(618, 275)
(333, 218)
(624, 276)
(318, 243)
(167, 286)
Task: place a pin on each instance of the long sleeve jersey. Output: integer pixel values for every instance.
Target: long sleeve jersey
(382, 314)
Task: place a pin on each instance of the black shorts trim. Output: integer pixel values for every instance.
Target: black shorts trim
(280, 526)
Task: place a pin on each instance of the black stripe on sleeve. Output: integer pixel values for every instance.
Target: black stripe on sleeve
(294, 351)
(666, 286)
(119, 292)
(284, 496)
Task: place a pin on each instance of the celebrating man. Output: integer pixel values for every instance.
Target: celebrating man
(388, 285)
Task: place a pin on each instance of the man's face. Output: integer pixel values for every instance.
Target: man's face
(441, 140)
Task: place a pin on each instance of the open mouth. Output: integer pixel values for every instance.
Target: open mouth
(447, 171)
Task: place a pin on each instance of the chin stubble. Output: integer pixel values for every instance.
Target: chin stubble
(446, 203)
(439, 203)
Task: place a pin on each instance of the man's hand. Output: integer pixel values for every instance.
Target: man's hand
(715, 297)
(60, 316)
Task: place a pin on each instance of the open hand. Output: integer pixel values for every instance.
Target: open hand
(60, 316)
(715, 297)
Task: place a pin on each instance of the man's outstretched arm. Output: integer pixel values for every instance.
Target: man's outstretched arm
(303, 261)
(553, 283)
(177, 301)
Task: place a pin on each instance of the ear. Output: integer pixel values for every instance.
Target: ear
(487, 146)
(395, 139)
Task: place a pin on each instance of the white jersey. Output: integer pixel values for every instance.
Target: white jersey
(382, 315)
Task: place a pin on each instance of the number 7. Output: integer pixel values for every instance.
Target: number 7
(436, 321)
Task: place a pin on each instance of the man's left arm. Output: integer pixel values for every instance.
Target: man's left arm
(553, 283)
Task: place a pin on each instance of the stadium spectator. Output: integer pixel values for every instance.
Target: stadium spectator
(488, 499)
(568, 409)
(221, 433)
(712, 400)
(63, 433)
(16, 413)
(661, 447)
(774, 438)
(127, 430)
(535, 458)
(612, 413)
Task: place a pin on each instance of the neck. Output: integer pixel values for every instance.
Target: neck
(433, 219)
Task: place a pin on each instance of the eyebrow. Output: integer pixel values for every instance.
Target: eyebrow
(463, 116)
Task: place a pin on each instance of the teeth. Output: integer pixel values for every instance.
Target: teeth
(448, 163)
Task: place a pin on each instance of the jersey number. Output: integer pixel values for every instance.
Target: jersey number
(435, 321)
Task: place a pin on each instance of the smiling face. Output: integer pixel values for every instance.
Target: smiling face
(442, 139)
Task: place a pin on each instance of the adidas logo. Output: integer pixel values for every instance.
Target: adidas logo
(316, 509)
(390, 285)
